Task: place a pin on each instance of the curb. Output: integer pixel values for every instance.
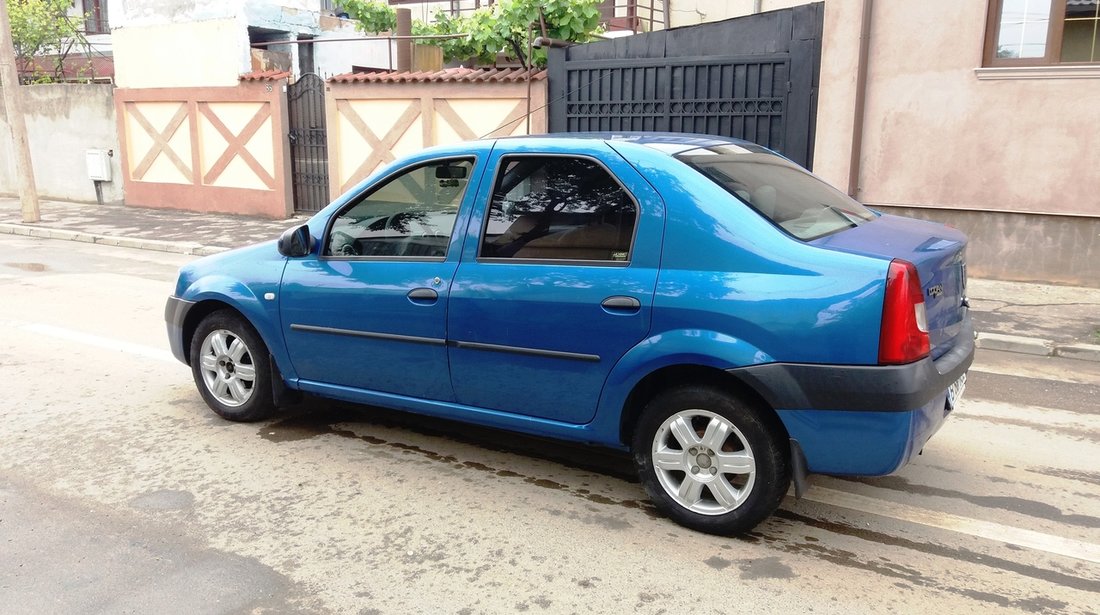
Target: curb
(177, 247)
(1038, 347)
(989, 341)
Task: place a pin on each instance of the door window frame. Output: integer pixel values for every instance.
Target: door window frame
(500, 166)
(381, 183)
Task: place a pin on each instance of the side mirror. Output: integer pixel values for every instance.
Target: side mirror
(295, 242)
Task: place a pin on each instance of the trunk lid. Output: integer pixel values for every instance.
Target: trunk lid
(939, 254)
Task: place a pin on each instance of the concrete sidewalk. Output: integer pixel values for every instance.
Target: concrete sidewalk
(1038, 319)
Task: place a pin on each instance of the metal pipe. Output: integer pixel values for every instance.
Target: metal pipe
(545, 41)
(757, 6)
(860, 101)
(415, 37)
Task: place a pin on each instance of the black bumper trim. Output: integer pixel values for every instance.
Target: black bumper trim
(874, 388)
(175, 313)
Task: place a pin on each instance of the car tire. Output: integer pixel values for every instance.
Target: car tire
(229, 362)
(710, 461)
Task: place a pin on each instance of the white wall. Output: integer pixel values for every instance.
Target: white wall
(205, 43)
(64, 120)
(691, 12)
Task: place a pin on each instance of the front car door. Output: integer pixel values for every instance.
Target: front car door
(369, 312)
(556, 282)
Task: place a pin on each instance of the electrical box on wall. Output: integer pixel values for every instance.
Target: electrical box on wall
(99, 164)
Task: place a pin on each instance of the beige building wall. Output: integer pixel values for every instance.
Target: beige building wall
(187, 54)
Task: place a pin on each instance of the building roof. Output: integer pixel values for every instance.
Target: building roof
(265, 75)
(468, 75)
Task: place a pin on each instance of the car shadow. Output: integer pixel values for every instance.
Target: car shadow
(315, 416)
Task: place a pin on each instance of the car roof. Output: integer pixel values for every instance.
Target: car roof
(641, 138)
(669, 143)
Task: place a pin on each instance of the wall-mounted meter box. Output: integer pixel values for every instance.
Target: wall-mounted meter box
(99, 164)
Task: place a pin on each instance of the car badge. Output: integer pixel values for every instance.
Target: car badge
(935, 291)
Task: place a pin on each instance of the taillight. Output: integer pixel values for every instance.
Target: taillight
(904, 334)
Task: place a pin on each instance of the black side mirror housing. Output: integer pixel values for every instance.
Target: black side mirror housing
(296, 242)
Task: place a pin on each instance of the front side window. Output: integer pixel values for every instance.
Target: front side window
(411, 215)
(558, 208)
(1042, 32)
(793, 199)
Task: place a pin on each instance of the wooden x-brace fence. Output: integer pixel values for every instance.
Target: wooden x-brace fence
(185, 128)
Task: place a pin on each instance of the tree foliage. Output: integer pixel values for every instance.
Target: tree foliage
(373, 16)
(43, 36)
(502, 27)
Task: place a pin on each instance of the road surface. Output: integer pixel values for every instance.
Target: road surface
(121, 492)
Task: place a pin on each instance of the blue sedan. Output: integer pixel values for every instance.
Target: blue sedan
(702, 302)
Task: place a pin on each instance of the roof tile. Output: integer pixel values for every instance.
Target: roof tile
(265, 75)
(468, 75)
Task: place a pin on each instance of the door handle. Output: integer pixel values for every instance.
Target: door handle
(423, 295)
(621, 303)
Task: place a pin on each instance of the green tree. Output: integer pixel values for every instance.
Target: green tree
(502, 27)
(373, 16)
(44, 36)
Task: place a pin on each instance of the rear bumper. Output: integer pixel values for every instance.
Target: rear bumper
(175, 314)
(874, 388)
(862, 420)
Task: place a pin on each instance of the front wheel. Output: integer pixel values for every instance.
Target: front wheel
(710, 461)
(231, 369)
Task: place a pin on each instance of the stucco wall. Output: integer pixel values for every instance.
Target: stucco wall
(64, 120)
(938, 136)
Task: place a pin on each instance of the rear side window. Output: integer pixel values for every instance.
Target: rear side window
(558, 208)
(780, 190)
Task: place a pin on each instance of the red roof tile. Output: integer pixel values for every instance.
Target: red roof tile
(468, 75)
(265, 75)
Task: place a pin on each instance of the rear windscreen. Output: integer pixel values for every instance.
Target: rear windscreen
(793, 199)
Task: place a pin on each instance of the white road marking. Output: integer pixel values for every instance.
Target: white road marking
(1029, 539)
(148, 352)
(1052, 373)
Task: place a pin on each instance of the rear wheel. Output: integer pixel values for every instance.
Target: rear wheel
(710, 461)
(230, 365)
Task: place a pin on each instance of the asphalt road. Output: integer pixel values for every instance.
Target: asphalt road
(120, 492)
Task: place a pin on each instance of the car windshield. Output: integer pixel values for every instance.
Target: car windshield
(780, 190)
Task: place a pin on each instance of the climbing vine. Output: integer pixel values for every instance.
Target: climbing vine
(500, 28)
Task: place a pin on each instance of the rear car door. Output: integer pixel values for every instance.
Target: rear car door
(370, 311)
(556, 281)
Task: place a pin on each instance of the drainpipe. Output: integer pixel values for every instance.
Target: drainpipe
(861, 99)
(757, 5)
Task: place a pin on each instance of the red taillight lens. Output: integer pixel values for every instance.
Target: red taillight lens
(904, 335)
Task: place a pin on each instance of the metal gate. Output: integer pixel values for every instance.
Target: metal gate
(753, 78)
(308, 143)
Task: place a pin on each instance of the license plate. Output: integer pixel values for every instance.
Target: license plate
(955, 391)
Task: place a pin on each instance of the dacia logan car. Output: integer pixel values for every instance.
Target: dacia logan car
(704, 303)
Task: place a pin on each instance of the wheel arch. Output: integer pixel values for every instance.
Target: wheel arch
(671, 376)
(198, 312)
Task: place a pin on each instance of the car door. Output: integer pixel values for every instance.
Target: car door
(556, 283)
(369, 311)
